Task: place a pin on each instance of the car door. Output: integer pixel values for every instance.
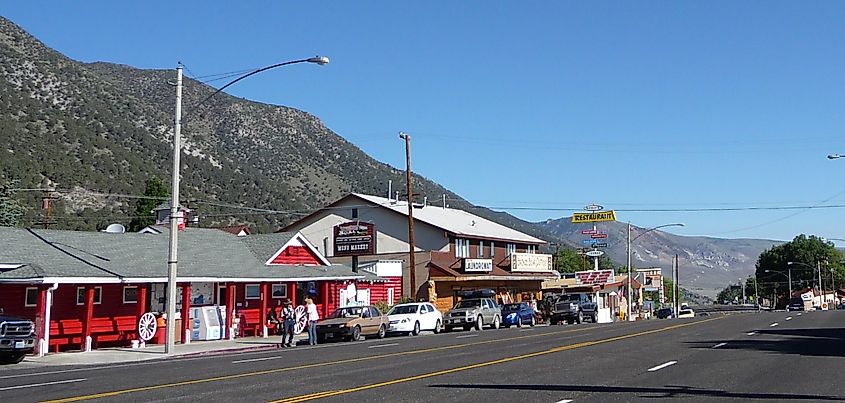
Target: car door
(375, 320)
(488, 311)
(427, 318)
(434, 316)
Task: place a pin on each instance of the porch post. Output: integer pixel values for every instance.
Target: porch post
(186, 313)
(41, 322)
(325, 298)
(230, 310)
(89, 317)
(141, 307)
(292, 293)
(263, 314)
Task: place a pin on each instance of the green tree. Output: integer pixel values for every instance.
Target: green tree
(154, 193)
(569, 261)
(772, 269)
(11, 210)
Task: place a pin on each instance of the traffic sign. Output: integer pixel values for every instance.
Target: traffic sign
(598, 236)
(588, 231)
(600, 245)
(594, 253)
(594, 207)
(588, 241)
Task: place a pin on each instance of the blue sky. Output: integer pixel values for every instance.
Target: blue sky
(635, 106)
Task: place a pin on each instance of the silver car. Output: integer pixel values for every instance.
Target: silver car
(473, 313)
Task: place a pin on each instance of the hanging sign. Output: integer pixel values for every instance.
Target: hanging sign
(354, 238)
(594, 253)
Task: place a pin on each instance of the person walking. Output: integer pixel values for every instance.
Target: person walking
(313, 317)
(288, 316)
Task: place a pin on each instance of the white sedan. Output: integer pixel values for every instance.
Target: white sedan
(686, 313)
(413, 318)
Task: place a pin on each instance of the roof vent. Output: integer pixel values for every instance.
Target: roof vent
(115, 229)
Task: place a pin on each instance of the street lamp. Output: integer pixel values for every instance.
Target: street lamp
(175, 214)
(818, 263)
(834, 156)
(788, 278)
(630, 272)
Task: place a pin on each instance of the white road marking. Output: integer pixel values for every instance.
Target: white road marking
(799, 313)
(661, 366)
(466, 335)
(751, 333)
(789, 318)
(384, 345)
(565, 401)
(719, 345)
(527, 330)
(33, 385)
(774, 324)
(256, 359)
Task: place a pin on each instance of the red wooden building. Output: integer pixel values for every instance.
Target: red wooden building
(92, 287)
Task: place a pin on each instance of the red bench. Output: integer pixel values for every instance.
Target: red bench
(67, 333)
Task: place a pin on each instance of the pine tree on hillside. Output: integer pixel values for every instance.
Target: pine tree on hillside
(155, 192)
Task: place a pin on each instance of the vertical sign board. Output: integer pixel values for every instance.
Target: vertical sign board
(354, 238)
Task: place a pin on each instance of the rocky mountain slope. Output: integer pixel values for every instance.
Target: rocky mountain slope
(706, 264)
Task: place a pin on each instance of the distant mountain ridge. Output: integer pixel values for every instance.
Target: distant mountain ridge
(706, 264)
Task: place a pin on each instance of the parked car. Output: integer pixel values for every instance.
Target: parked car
(665, 313)
(352, 323)
(414, 317)
(686, 313)
(795, 304)
(473, 312)
(517, 314)
(17, 338)
(574, 308)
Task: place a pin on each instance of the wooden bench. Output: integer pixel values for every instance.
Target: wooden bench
(67, 333)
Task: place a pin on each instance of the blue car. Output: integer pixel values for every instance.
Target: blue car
(517, 314)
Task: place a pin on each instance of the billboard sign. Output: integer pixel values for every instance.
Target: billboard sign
(478, 265)
(652, 278)
(531, 262)
(598, 216)
(354, 238)
(594, 277)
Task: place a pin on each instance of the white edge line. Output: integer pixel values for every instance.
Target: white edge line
(751, 333)
(43, 384)
(719, 345)
(565, 401)
(384, 345)
(466, 335)
(255, 359)
(661, 366)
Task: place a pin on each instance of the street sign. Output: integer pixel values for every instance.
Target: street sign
(598, 236)
(600, 245)
(594, 253)
(580, 218)
(588, 231)
(594, 207)
(588, 241)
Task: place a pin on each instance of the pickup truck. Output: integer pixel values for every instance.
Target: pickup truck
(573, 308)
(17, 338)
(473, 312)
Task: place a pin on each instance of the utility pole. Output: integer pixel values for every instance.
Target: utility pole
(630, 276)
(756, 295)
(833, 285)
(821, 285)
(742, 287)
(411, 257)
(174, 223)
(674, 287)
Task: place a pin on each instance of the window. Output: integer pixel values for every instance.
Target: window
(80, 295)
(354, 213)
(31, 298)
(531, 249)
(130, 294)
(390, 295)
(480, 248)
(279, 290)
(253, 291)
(492, 249)
(461, 247)
(511, 249)
(374, 312)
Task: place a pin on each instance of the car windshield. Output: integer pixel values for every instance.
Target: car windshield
(349, 312)
(403, 309)
(511, 307)
(468, 303)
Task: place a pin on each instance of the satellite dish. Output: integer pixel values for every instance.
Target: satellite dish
(115, 229)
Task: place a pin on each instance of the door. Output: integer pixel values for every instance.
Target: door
(431, 316)
(373, 320)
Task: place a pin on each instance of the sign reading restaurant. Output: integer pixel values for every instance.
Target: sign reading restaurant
(597, 216)
(531, 262)
(471, 265)
(354, 238)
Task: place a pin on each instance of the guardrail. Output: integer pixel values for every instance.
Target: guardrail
(728, 308)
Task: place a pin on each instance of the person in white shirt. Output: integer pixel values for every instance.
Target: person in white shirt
(313, 317)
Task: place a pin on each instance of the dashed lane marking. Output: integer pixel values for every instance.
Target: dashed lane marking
(466, 336)
(774, 324)
(719, 345)
(384, 345)
(661, 366)
(35, 385)
(751, 333)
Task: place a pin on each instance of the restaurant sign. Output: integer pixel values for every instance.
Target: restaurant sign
(354, 238)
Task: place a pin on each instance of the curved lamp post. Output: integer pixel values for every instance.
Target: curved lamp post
(811, 267)
(630, 271)
(788, 278)
(175, 214)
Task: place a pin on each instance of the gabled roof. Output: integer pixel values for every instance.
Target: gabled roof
(457, 222)
(203, 254)
(236, 229)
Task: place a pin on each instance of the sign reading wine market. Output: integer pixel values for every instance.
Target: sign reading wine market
(354, 238)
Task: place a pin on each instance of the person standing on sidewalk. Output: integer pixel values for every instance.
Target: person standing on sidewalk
(313, 317)
(288, 318)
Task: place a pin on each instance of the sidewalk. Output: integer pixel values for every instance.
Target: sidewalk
(156, 351)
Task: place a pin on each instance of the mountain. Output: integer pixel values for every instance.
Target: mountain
(90, 129)
(706, 264)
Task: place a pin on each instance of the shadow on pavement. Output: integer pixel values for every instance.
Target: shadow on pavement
(822, 342)
(648, 392)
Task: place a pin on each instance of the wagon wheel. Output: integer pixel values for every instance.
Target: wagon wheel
(147, 326)
(300, 319)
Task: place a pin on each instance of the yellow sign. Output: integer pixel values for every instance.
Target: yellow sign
(597, 216)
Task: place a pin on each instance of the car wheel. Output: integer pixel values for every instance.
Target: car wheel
(467, 328)
(381, 332)
(518, 321)
(416, 330)
(356, 333)
(437, 327)
(496, 322)
(479, 323)
(12, 358)
(532, 322)
(593, 318)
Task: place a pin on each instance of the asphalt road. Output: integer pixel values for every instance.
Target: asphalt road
(741, 357)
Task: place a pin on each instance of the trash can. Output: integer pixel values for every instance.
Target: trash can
(161, 333)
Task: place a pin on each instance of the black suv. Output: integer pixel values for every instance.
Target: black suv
(17, 339)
